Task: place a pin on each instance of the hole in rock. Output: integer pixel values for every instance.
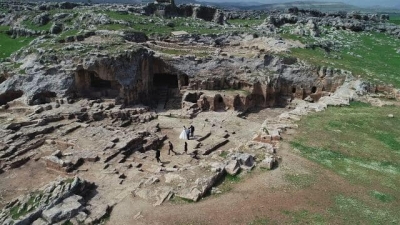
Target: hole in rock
(10, 95)
(219, 103)
(191, 97)
(97, 82)
(313, 89)
(165, 79)
(43, 98)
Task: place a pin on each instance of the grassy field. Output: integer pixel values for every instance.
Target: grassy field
(9, 45)
(362, 144)
(373, 56)
(30, 25)
(395, 18)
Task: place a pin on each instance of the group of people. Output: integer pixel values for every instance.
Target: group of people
(171, 149)
(187, 133)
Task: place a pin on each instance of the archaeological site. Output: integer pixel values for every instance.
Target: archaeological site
(183, 112)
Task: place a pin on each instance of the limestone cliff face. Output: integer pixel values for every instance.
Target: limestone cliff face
(127, 77)
(266, 82)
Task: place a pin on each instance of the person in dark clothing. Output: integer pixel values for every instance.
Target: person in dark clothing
(171, 148)
(188, 133)
(194, 154)
(186, 148)
(191, 128)
(158, 155)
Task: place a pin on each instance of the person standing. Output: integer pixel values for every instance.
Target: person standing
(191, 130)
(188, 133)
(186, 148)
(158, 155)
(183, 134)
(171, 148)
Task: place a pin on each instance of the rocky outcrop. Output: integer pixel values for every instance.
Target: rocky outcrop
(60, 200)
(287, 78)
(348, 21)
(195, 11)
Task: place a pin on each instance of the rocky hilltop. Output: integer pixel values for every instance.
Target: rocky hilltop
(96, 92)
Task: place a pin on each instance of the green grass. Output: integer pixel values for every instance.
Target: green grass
(382, 196)
(304, 217)
(30, 25)
(349, 210)
(9, 45)
(113, 27)
(261, 221)
(4, 28)
(395, 19)
(371, 55)
(300, 180)
(161, 27)
(120, 16)
(361, 144)
(67, 33)
(224, 154)
(16, 212)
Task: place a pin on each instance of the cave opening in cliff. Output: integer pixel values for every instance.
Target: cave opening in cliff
(293, 90)
(313, 89)
(165, 80)
(9, 96)
(97, 82)
(90, 84)
(219, 103)
(43, 98)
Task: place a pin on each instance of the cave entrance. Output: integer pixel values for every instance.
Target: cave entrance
(165, 80)
(97, 82)
(313, 89)
(167, 90)
(90, 84)
(43, 98)
(219, 104)
(9, 96)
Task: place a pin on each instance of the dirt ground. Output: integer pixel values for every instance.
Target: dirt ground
(260, 194)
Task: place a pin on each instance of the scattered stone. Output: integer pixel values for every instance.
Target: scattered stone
(233, 167)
